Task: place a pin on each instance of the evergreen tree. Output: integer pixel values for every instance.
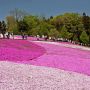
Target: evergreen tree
(84, 37)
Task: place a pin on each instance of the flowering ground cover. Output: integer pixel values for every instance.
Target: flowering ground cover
(70, 59)
(19, 50)
(14, 76)
(45, 54)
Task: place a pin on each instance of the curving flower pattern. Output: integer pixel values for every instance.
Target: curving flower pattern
(19, 50)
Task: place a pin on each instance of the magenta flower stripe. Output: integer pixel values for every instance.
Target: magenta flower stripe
(19, 50)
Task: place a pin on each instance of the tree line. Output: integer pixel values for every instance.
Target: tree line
(69, 26)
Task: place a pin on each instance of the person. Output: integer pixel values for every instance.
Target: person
(23, 35)
(38, 37)
(8, 35)
(12, 35)
(46, 38)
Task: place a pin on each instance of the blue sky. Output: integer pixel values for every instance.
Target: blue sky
(44, 7)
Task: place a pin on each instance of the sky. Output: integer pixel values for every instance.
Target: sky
(44, 7)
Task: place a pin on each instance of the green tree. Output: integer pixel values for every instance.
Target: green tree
(86, 21)
(57, 22)
(54, 33)
(65, 34)
(32, 21)
(84, 37)
(22, 26)
(86, 24)
(75, 38)
(33, 32)
(44, 28)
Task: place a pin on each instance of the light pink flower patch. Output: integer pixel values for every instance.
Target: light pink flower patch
(65, 58)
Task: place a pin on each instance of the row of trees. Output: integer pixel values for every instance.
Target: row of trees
(71, 26)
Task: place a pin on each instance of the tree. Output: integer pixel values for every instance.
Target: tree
(11, 24)
(33, 32)
(57, 22)
(75, 38)
(31, 21)
(86, 24)
(54, 33)
(86, 21)
(18, 14)
(65, 34)
(0, 27)
(84, 37)
(38, 24)
(3, 28)
(43, 28)
(22, 26)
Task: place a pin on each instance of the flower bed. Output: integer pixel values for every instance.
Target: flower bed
(62, 57)
(57, 55)
(19, 50)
